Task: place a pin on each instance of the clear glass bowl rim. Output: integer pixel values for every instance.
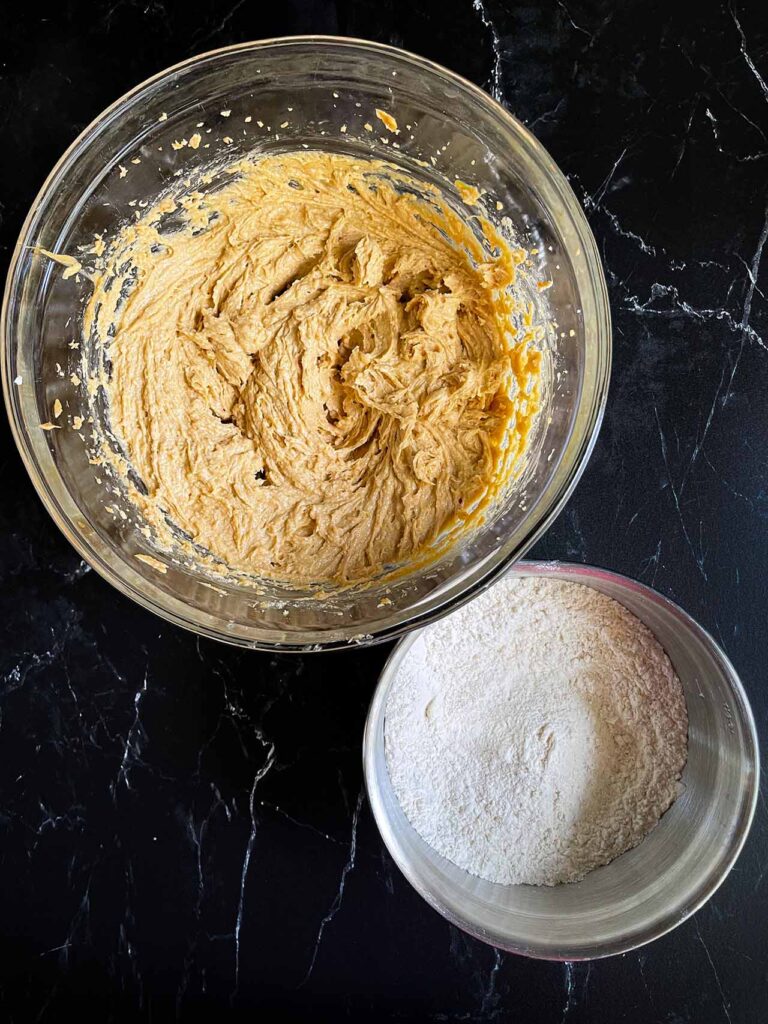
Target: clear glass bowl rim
(591, 406)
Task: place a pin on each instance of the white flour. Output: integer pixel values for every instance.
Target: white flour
(536, 733)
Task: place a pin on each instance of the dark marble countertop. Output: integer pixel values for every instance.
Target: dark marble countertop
(183, 829)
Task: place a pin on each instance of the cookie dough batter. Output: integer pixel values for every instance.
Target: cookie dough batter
(313, 376)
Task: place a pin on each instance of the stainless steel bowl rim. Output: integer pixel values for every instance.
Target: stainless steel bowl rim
(577, 571)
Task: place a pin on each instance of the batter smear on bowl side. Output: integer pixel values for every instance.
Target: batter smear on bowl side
(315, 374)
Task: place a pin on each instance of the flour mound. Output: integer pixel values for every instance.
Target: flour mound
(536, 733)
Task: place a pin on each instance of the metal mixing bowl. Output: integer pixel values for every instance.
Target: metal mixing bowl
(646, 891)
(318, 92)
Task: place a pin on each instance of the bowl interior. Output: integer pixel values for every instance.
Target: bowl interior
(649, 889)
(265, 98)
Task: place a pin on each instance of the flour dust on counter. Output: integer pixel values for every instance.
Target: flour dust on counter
(536, 733)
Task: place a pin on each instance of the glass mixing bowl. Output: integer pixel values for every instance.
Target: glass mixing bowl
(265, 97)
(646, 891)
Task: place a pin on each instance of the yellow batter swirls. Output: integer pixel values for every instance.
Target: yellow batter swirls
(314, 377)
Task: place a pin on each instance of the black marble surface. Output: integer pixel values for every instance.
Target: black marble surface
(183, 831)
